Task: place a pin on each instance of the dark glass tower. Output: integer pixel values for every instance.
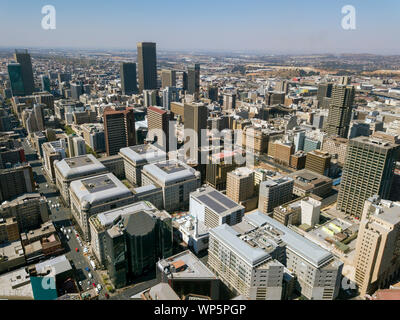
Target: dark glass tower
(194, 79)
(24, 59)
(15, 74)
(128, 78)
(147, 65)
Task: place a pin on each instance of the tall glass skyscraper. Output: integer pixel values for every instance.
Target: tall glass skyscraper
(147, 65)
(15, 74)
(24, 59)
(128, 78)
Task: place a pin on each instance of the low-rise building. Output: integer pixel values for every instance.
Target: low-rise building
(307, 182)
(213, 208)
(186, 274)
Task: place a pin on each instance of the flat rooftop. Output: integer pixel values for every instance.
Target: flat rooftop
(303, 247)
(99, 189)
(191, 266)
(16, 285)
(230, 237)
(216, 201)
(107, 218)
(142, 154)
(76, 167)
(168, 172)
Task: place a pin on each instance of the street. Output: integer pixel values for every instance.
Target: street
(61, 217)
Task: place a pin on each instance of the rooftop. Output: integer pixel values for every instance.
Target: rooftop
(171, 171)
(104, 219)
(187, 265)
(99, 189)
(143, 154)
(216, 201)
(76, 167)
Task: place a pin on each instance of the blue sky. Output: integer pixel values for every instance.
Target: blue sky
(278, 26)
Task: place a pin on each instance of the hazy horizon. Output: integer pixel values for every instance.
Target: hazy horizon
(256, 26)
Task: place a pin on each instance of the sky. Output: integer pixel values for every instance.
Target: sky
(267, 26)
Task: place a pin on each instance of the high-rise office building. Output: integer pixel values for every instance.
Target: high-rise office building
(318, 161)
(150, 98)
(213, 93)
(193, 73)
(195, 115)
(377, 259)
(229, 101)
(273, 192)
(147, 65)
(240, 184)
(345, 80)
(282, 86)
(119, 129)
(24, 59)
(368, 171)
(158, 124)
(45, 83)
(15, 75)
(76, 90)
(324, 91)
(168, 78)
(128, 78)
(184, 81)
(169, 94)
(340, 110)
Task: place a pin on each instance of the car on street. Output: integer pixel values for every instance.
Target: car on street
(87, 269)
(76, 249)
(90, 275)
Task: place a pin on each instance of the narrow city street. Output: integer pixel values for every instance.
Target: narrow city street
(61, 217)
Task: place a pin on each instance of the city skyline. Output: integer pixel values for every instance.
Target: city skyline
(285, 27)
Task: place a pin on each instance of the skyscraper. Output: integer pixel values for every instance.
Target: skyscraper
(340, 110)
(168, 78)
(24, 59)
(195, 115)
(76, 90)
(368, 171)
(213, 93)
(128, 78)
(119, 129)
(377, 259)
(324, 91)
(15, 74)
(147, 65)
(184, 81)
(169, 94)
(158, 121)
(193, 73)
(45, 83)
